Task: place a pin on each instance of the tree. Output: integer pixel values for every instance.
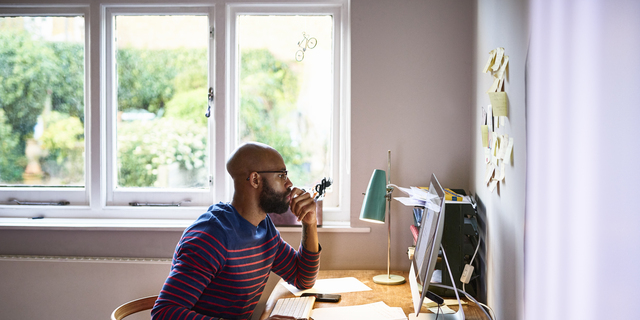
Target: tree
(268, 91)
(26, 69)
(11, 164)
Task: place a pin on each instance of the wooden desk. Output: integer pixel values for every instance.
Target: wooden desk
(393, 296)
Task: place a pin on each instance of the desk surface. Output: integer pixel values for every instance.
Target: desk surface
(392, 295)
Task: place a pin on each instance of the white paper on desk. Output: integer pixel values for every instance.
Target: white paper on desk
(336, 285)
(443, 310)
(372, 311)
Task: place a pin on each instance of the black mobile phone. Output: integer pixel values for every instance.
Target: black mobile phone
(323, 297)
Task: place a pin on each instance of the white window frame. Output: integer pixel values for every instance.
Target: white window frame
(339, 137)
(93, 201)
(115, 196)
(78, 196)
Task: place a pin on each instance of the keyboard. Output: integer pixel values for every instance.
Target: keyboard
(299, 308)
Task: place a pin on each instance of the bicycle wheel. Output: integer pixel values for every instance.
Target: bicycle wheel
(299, 55)
(312, 43)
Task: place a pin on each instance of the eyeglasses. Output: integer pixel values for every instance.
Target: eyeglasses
(282, 174)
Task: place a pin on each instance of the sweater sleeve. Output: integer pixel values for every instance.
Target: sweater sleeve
(298, 268)
(196, 262)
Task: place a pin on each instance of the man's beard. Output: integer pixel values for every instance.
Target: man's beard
(272, 201)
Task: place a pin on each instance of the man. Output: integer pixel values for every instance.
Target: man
(222, 262)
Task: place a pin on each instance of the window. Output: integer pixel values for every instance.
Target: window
(42, 106)
(128, 112)
(158, 137)
(286, 87)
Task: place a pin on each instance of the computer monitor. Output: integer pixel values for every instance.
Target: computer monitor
(427, 249)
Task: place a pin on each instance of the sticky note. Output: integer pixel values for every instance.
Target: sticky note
(492, 185)
(502, 70)
(507, 153)
(489, 64)
(487, 155)
(485, 136)
(501, 173)
(498, 61)
(489, 120)
(488, 172)
(494, 86)
(498, 103)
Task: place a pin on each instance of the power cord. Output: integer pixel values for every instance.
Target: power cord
(466, 277)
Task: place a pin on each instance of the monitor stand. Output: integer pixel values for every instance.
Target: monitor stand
(459, 315)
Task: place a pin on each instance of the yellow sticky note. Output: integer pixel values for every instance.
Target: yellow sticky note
(494, 86)
(507, 154)
(503, 68)
(498, 61)
(498, 103)
(485, 136)
(492, 57)
(488, 173)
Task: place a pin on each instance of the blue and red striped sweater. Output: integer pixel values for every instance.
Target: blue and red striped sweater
(221, 265)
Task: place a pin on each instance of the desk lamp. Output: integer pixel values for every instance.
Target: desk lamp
(373, 210)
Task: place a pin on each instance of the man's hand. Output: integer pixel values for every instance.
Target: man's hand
(303, 207)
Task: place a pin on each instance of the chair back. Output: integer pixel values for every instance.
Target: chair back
(133, 306)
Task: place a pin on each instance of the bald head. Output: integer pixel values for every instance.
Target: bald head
(250, 157)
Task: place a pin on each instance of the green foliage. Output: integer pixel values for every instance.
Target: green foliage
(26, 69)
(11, 163)
(147, 79)
(143, 146)
(189, 105)
(268, 91)
(67, 86)
(64, 140)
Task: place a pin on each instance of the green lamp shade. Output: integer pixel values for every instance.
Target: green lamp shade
(373, 206)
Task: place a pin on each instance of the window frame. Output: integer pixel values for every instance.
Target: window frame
(77, 196)
(339, 138)
(93, 198)
(114, 196)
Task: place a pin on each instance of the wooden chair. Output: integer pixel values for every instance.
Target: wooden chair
(133, 306)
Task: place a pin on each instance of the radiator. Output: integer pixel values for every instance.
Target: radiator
(84, 259)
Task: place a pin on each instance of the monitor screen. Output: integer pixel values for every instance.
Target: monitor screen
(429, 238)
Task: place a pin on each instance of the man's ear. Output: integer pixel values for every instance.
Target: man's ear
(254, 179)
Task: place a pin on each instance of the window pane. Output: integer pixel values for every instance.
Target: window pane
(286, 90)
(162, 98)
(42, 101)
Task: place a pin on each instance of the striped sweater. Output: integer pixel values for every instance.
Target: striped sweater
(221, 265)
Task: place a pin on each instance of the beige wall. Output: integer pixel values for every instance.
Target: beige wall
(412, 92)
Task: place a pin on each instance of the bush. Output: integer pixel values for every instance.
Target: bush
(189, 105)
(12, 164)
(63, 139)
(143, 146)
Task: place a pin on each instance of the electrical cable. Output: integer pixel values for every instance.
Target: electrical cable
(468, 297)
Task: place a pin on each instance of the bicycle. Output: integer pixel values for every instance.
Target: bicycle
(304, 44)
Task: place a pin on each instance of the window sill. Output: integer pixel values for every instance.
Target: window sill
(137, 225)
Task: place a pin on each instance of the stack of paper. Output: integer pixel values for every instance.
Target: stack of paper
(418, 198)
(337, 285)
(372, 311)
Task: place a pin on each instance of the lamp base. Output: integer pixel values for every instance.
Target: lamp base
(391, 279)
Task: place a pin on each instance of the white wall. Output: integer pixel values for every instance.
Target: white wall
(411, 93)
(582, 230)
(503, 23)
